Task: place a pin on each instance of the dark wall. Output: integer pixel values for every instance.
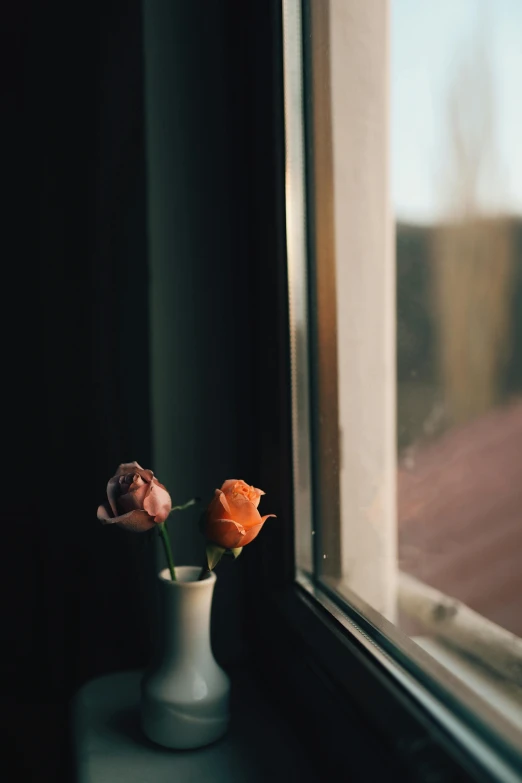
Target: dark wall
(83, 384)
(198, 93)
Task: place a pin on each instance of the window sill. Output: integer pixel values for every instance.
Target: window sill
(459, 627)
(505, 696)
(423, 712)
(108, 744)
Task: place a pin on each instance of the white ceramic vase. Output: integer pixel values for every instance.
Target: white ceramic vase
(185, 693)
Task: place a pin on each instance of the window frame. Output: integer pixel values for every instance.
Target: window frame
(428, 734)
(340, 667)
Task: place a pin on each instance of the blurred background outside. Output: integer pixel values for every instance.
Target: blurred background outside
(457, 196)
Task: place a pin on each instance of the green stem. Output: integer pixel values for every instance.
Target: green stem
(164, 533)
(204, 572)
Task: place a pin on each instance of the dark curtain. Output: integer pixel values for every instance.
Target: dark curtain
(75, 365)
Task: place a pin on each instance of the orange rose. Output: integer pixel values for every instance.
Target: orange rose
(136, 499)
(232, 519)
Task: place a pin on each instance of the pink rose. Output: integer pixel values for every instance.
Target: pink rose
(136, 499)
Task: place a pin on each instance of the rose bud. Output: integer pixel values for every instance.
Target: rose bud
(136, 499)
(232, 519)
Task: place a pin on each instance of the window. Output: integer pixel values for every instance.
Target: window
(406, 385)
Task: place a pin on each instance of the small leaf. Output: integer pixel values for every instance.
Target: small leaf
(237, 551)
(214, 555)
(191, 502)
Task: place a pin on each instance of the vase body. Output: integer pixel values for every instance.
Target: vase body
(185, 693)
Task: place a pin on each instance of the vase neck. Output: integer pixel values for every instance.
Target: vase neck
(185, 621)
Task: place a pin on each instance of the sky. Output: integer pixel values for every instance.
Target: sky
(430, 39)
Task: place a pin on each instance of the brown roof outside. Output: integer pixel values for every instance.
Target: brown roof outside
(460, 515)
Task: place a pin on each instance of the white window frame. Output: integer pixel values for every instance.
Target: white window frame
(358, 51)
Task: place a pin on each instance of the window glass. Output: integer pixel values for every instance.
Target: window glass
(407, 189)
(457, 197)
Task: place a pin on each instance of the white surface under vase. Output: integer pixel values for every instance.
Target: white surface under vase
(185, 693)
